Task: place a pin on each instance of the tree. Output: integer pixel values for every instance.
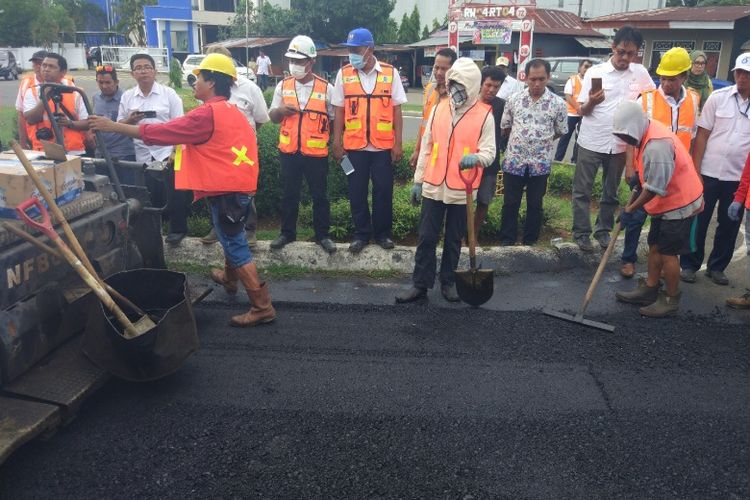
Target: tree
(85, 14)
(408, 31)
(436, 24)
(15, 23)
(425, 32)
(50, 25)
(132, 23)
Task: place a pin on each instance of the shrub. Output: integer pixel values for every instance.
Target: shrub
(268, 96)
(175, 74)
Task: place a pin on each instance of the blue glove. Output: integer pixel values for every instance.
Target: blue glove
(734, 211)
(416, 193)
(468, 161)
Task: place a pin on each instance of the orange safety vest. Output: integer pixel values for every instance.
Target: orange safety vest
(368, 118)
(227, 162)
(657, 108)
(451, 143)
(73, 138)
(429, 100)
(577, 84)
(685, 186)
(308, 131)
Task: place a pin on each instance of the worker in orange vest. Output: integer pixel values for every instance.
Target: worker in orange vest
(741, 204)
(460, 134)
(672, 194)
(367, 96)
(302, 104)
(572, 90)
(677, 108)
(27, 82)
(216, 158)
(434, 91)
(70, 110)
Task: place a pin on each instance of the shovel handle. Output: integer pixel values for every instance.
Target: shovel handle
(469, 180)
(45, 225)
(469, 185)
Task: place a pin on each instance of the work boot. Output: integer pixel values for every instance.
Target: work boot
(226, 278)
(627, 270)
(252, 239)
(449, 293)
(643, 294)
(411, 295)
(261, 309)
(663, 307)
(717, 277)
(741, 302)
(688, 275)
(210, 238)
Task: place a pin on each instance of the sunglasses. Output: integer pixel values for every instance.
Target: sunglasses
(106, 69)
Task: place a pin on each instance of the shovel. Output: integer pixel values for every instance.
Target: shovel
(45, 226)
(144, 323)
(474, 286)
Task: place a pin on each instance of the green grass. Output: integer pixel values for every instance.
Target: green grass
(8, 125)
(188, 101)
(411, 107)
(286, 272)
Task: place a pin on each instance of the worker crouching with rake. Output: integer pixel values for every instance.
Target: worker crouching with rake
(216, 158)
(672, 194)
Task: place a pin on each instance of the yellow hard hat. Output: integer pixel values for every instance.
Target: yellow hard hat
(219, 63)
(674, 61)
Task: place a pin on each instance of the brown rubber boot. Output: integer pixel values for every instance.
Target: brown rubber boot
(663, 307)
(261, 309)
(226, 278)
(643, 294)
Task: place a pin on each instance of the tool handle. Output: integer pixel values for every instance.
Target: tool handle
(56, 212)
(469, 180)
(470, 226)
(600, 270)
(45, 226)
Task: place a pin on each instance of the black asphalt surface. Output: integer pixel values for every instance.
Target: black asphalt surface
(357, 401)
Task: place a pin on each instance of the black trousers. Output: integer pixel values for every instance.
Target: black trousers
(562, 145)
(177, 201)
(430, 224)
(315, 171)
(536, 187)
(721, 193)
(375, 165)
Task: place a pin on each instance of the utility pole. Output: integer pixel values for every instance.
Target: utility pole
(247, 34)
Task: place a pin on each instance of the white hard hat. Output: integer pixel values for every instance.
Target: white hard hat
(301, 47)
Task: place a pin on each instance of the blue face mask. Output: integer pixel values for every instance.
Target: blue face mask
(357, 60)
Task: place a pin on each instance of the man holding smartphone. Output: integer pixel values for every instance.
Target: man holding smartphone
(604, 87)
(151, 102)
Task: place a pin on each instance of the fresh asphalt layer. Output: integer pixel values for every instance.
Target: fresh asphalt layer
(348, 395)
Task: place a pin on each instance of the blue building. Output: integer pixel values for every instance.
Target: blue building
(170, 25)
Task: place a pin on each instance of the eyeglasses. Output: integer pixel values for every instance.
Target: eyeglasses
(143, 69)
(699, 63)
(106, 69)
(623, 53)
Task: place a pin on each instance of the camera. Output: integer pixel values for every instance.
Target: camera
(44, 134)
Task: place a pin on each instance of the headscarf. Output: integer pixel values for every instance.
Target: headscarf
(700, 83)
(467, 73)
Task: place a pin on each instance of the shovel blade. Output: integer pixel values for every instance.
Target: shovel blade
(475, 286)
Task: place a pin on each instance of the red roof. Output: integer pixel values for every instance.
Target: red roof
(560, 22)
(660, 18)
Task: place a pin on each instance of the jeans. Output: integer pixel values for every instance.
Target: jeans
(177, 201)
(633, 224)
(430, 224)
(536, 187)
(375, 165)
(583, 182)
(562, 145)
(721, 193)
(315, 170)
(236, 251)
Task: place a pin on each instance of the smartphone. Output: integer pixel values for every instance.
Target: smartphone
(596, 84)
(346, 165)
(148, 114)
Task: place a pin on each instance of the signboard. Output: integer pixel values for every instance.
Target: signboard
(432, 51)
(492, 32)
(474, 55)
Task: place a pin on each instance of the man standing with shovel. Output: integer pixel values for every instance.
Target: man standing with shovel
(672, 194)
(460, 134)
(218, 160)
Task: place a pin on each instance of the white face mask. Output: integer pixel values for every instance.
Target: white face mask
(297, 71)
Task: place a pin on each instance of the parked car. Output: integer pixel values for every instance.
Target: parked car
(8, 67)
(192, 61)
(562, 68)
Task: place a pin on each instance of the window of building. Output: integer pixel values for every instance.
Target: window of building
(713, 53)
(219, 5)
(659, 47)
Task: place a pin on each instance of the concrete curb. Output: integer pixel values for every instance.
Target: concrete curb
(308, 255)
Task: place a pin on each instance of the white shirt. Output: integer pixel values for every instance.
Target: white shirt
(264, 65)
(167, 105)
(729, 142)
(368, 81)
(31, 99)
(509, 87)
(248, 98)
(596, 128)
(486, 153)
(303, 91)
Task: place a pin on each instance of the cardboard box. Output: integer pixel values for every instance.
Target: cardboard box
(64, 180)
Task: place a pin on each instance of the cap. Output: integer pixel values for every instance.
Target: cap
(502, 61)
(359, 37)
(742, 62)
(39, 55)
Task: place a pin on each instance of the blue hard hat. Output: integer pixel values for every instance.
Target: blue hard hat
(359, 37)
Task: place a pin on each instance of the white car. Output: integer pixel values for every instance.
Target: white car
(192, 61)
